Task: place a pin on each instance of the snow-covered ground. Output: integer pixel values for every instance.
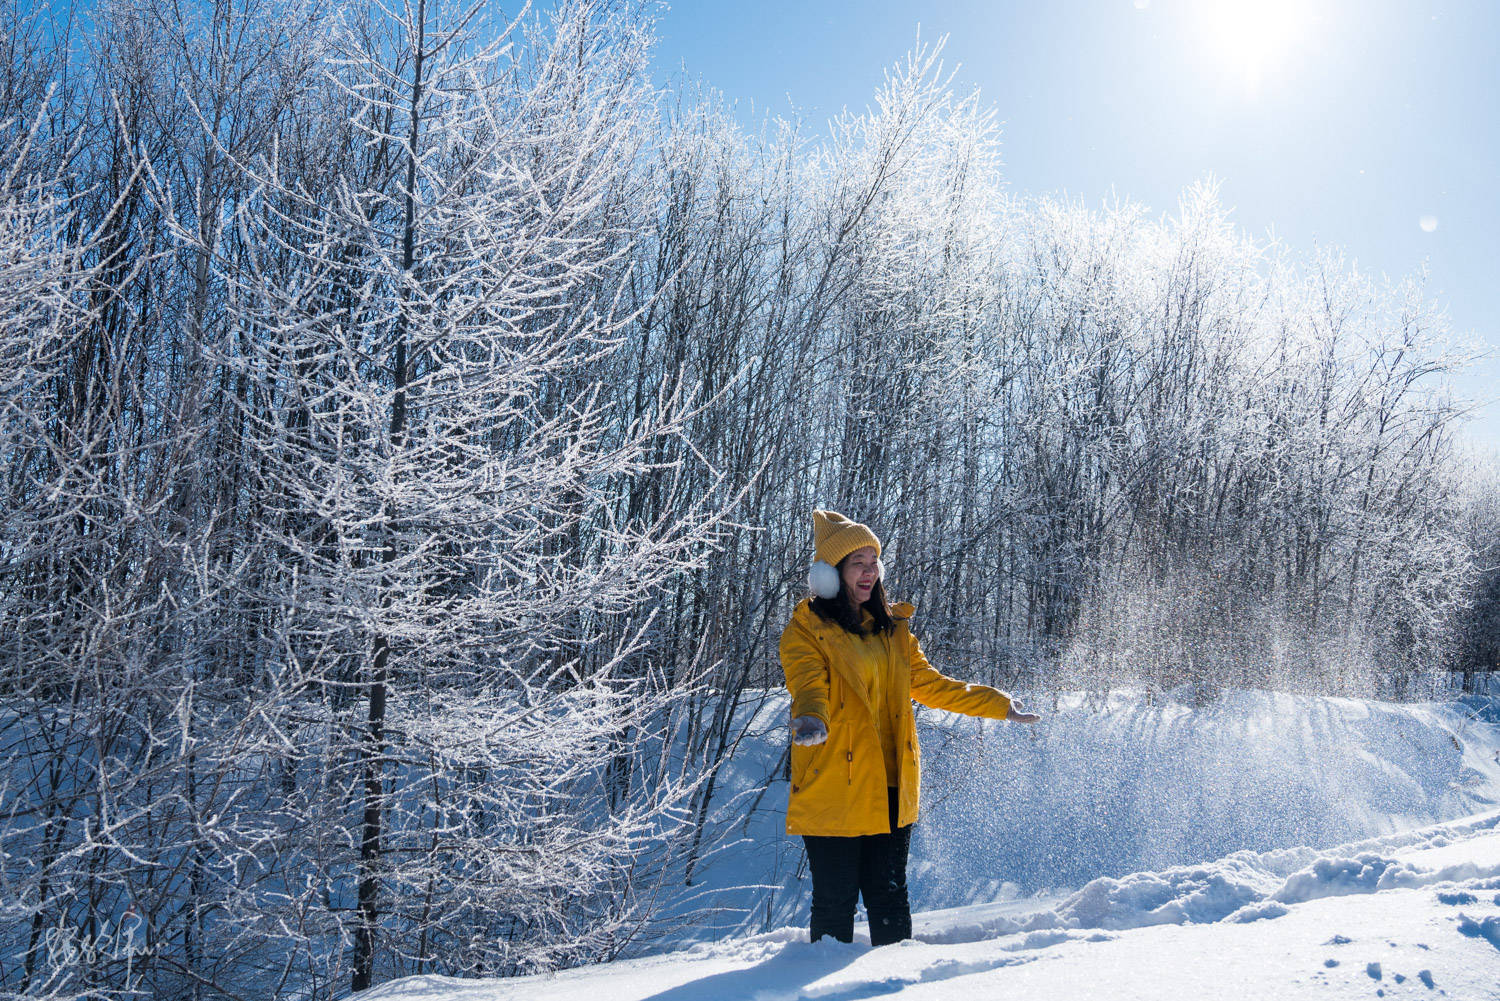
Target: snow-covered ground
(1305, 848)
(1414, 914)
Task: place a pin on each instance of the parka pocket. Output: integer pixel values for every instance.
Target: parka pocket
(808, 763)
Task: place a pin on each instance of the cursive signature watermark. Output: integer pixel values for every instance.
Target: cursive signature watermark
(123, 940)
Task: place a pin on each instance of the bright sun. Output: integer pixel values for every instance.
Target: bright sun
(1252, 39)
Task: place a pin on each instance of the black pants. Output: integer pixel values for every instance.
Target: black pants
(873, 865)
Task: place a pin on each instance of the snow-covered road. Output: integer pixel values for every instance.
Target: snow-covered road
(1410, 914)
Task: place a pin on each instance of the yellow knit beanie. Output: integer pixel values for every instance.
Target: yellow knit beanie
(835, 536)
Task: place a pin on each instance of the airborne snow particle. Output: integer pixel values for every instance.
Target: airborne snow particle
(1428, 223)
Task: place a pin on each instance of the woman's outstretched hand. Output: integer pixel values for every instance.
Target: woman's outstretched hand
(808, 730)
(1019, 717)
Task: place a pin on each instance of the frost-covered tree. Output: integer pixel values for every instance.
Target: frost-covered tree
(449, 561)
(328, 652)
(1477, 654)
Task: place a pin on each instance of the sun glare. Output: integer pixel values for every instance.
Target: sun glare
(1252, 39)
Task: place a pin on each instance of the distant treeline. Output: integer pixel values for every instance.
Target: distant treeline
(410, 423)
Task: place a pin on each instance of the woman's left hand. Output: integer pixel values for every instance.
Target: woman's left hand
(1016, 716)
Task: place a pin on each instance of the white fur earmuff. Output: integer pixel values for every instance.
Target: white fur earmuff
(823, 578)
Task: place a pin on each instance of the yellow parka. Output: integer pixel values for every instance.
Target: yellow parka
(839, 786)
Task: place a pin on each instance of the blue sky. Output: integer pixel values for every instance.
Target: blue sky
(1334, 123)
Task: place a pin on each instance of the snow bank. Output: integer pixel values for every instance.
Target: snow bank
(1135, 787)
(1102, 792)
(1248, 886)
(1358, 856)
(1412, 913)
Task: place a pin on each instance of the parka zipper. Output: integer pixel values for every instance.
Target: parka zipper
(848, 751)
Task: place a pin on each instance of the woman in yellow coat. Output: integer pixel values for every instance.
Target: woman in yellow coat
(853, 668)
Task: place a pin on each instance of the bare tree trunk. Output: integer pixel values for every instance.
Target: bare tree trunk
(374, 749)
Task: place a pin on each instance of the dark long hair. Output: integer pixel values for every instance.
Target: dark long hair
(839, 609)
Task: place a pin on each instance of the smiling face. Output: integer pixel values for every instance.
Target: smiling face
(860, 570)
